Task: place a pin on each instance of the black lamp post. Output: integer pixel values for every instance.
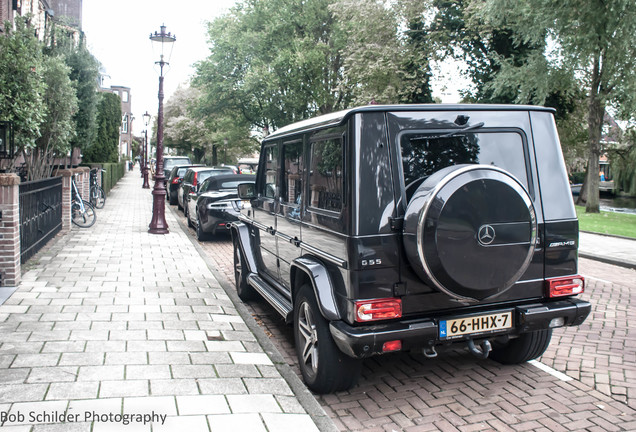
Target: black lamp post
(144, 164)
(158, 224)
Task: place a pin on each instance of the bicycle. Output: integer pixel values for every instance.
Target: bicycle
(97, 195)
(82, 212)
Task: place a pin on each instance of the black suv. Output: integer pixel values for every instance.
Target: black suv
(389, 228)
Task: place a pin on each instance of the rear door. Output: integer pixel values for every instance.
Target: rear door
(265, 207)
(288, 232)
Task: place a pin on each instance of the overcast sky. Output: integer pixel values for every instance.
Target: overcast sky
(117, 33)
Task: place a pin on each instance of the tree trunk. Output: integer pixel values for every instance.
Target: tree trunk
(596, 112)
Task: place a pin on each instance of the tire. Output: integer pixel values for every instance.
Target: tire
(244, 291)
(201, 235)
(83, 219)
(324, 367)
(98, 197)
(172, 199)
(187, 216)
(527, 346)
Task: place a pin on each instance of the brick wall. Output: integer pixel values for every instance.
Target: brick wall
(10, 269)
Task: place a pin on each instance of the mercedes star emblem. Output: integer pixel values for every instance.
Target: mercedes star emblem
(486, 235)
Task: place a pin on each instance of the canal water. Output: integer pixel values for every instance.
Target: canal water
(619, 204)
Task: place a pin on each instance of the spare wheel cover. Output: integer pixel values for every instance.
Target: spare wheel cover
(470, 231)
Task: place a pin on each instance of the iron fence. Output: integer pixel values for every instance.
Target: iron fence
(40, 214)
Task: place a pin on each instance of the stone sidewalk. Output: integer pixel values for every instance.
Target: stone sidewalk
(116, 328)
(613, 250)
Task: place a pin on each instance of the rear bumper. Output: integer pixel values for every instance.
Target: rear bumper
(366, 341)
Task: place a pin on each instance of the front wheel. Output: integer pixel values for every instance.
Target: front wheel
(324, 367)
(83, 215)
(527, 346)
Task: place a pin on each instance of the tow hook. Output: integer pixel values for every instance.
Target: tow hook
(485, 348)
(429, 351)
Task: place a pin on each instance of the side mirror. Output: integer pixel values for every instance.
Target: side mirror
(246, 191)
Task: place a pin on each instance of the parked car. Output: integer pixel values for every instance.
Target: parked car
(192, 178)
(230, 168)
(216, 204)
(173, 181)
(248, 165)
(170, 162)
(409, 227)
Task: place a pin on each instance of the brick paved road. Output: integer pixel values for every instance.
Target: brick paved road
(459, 392)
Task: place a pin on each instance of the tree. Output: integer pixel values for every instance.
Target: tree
(85, 74)
(21, 83)
(187, 129)
(274, 62)
(386, 55)
(57, 128)
(591, 41)
(105, 146)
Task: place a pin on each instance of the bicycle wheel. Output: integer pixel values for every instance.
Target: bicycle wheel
(98, 197)
(83, 218)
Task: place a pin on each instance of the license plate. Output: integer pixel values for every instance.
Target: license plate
(474, 325)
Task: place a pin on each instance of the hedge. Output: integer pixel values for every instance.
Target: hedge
(114, 171)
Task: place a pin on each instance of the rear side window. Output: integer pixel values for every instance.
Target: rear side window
(325, 175)
(291, 189)
(426, 153)
(267, 185)
(203, 175)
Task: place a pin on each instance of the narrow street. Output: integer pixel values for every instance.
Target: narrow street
(585, 381)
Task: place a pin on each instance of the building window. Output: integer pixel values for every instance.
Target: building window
(124, 96)
(124, 124)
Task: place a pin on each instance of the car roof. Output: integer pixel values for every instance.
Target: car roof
(340, 117)
(233, 177)
(203, 168)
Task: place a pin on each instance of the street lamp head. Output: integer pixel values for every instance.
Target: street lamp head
(146, 117)
(162, 42)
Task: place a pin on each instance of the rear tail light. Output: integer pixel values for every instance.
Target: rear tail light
(565, 286)
(175, 180)
(378, 309)
(194, 180)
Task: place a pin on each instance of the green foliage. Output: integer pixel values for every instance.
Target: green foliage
(592, 43)
(21, 83)
(385, 51)
(114, 172)
(274, 62)
(84, 74)
(105, 146)
(58, 128)
(191, 132)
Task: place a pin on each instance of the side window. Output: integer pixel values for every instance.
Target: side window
(325, 174)
(269, 173)
(291, 189)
